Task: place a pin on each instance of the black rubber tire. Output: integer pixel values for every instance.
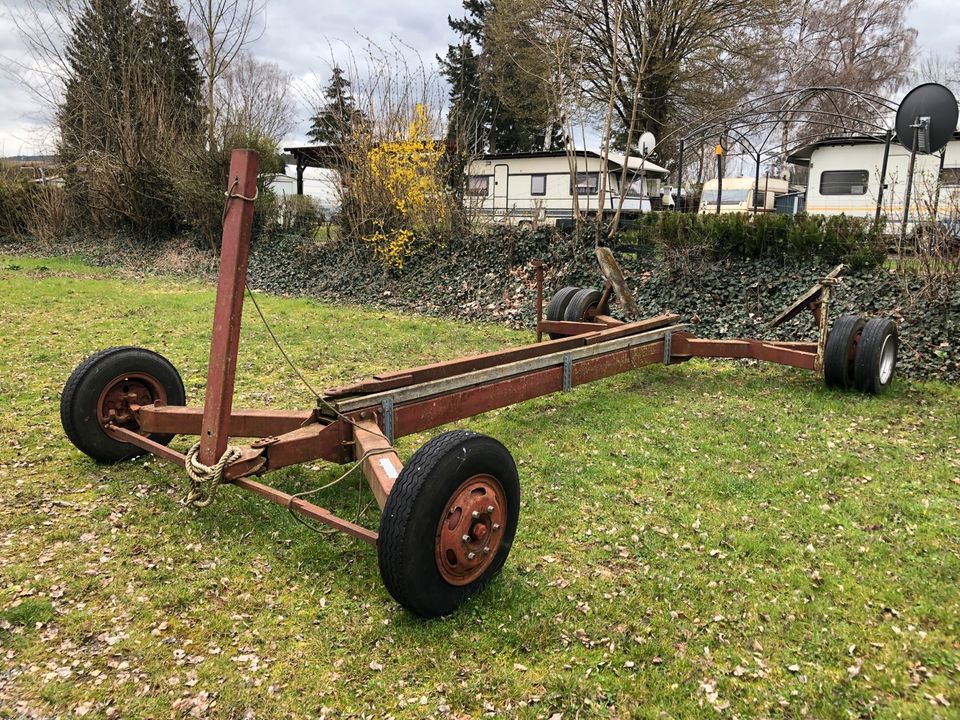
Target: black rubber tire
(838, 356)
(558, 305)
(879, 337)
(78, 403)
(414, 509)
(581, 303)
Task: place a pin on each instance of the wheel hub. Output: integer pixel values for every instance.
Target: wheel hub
(471, 529)
(114, 405)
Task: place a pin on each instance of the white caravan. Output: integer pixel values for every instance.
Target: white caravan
(542, 187)
(845, 179)
(740, 194)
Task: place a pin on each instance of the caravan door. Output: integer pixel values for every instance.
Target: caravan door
(501, 179)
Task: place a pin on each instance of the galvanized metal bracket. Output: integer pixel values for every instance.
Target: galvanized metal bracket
(387, 405)
(667, 347)
(567, 372)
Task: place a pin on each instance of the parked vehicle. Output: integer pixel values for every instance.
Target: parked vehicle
(845, 179)
(549, 187)
(740, 194)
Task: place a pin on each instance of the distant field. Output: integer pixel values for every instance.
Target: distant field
(703, 539)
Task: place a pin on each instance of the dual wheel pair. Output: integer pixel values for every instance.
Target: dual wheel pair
(574, 304)
(861, 354)
(447, 526)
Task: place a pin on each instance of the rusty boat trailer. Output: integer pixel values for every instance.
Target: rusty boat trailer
(449, 516)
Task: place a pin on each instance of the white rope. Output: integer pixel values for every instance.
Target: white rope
(204, 479)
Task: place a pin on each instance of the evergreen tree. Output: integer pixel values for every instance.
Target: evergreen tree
(336, 121)
(171, 62)
(129, 116)
(483, 118)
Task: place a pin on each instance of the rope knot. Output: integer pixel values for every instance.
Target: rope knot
(204, 479)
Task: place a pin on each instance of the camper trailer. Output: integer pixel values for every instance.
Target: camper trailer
(547, 188)
(742, 194)
(845, 175)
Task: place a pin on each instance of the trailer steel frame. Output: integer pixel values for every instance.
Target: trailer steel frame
(360, 422)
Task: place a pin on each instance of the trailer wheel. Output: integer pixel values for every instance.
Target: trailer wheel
(876, 356)
(101, 390)
(558, 306)
(449, 522)
(840, 353)
(582, 305)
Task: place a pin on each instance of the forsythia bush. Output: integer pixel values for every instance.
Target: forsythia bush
(400, 185)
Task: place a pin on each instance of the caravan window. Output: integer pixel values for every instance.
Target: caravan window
(950, 176)
(538, 184)
(635, 187)
(588, 183)
(478, 185)
(727, 196)
(844, 182)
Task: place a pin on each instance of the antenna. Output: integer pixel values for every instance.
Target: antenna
(926, 120)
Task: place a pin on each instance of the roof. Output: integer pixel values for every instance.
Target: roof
(802, 155)
(615, 160)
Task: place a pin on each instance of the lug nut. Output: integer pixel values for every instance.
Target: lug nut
(471, 556)
(465, 538)
(490, 508)
(486, 550)
(476, 514)
(496, 526)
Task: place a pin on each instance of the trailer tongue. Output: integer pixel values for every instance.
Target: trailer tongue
(450, 514)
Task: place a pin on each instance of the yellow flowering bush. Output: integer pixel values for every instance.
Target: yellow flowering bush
(404, 176)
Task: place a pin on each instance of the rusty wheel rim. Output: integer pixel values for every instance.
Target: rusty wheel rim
(471, 529)
(114, 404)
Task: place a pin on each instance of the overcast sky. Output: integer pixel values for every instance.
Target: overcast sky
(303, 35)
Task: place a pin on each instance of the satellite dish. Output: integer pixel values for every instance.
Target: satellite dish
(929, 111)
(648, 142)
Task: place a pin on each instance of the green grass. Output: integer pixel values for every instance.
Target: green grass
(706, 534)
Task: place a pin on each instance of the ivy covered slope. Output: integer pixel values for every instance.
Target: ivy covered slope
(491, 277)
(724, 276)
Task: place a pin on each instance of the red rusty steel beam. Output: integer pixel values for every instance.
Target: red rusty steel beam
(381, 464)
(307, 509)
(569, 327)
(608, 321)
(448, 368)
(426, 414)
(183, 420)
(310, 442)
(234, 251)
(686, 346)
(122, 434)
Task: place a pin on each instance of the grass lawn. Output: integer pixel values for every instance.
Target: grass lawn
(704, 539)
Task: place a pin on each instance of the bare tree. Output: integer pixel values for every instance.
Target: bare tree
(254, 98)
(222, 29)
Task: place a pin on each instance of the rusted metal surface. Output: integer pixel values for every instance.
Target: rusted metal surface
(181, 420)
(604, 305)
(567, 327)
(685, 346)
(520, 367)
(381, 464)
(823, 320)
(538, 266)
(806, 301)
(120, 397)
(471, 529)
(225, 339)
(122, 434)
(307, 509)
(607, 320)
(311, 442)
(449, 407)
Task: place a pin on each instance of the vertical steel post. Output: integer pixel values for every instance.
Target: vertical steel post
(883, 175)
(225, 339)
(756, 188)
(681, 207)
(538, 265)
(909, 188)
